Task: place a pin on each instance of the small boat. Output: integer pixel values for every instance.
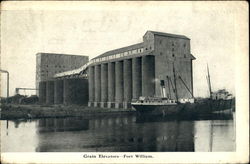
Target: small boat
(188, 106)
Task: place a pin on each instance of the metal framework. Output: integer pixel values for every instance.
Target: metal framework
(17, 89)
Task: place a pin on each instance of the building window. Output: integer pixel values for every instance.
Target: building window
(184, 45)
(161, 53)
(173, 55)
(184, 55)
(172, 44)
(160, 41)
(134, 51)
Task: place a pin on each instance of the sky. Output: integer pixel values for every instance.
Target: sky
(92, 28)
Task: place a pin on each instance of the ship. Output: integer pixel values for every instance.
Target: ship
(188, 107)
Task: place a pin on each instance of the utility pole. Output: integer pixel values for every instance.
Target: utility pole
(4, 71)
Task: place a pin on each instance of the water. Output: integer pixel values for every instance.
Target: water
(117, 134)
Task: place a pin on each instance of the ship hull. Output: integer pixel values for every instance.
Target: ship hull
(200, 107)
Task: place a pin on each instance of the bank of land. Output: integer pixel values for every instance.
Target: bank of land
(13, 111)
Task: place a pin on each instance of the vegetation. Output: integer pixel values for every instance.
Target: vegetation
(20, 99)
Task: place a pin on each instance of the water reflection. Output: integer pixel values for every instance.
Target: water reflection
(117, 134)
(18, 136)
(62, 124)
(219, 135)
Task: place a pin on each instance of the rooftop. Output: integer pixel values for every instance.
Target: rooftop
(168, 34)
(43, 53)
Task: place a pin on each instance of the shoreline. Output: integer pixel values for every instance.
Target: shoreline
(36, 111)
(17, 111)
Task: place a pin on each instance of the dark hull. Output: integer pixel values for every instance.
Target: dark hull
(201, 107)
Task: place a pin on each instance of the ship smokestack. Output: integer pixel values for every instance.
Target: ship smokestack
(163, 89)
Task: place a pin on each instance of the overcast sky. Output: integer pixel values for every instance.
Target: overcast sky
(91, 28)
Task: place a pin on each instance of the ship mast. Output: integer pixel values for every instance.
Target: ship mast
(169, 91)
(175, 90)
(209, 82)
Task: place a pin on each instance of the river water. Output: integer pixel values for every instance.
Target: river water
(117, 133)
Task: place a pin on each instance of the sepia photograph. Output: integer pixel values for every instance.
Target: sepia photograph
(124, 82)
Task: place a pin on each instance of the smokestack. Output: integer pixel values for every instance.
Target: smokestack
(163, 89)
